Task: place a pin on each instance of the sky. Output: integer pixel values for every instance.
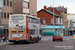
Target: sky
(69, 4)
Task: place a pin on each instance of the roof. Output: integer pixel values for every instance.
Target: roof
(50, 12)
(24, 14)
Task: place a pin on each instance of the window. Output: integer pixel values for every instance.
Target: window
(60, 20)
(7, 15)
(26, 4)
(10, 13)
(40, 20)
(1, 14)
(11, 3)
(52, 20)
(44, 20)
(7, 2)
(17, 18)
(57, 20)
(4, 2)
(32, 20)
(4, 15)
(65, 23)
(13, 31)
(1, 32)
(20, 31)
(32, 31)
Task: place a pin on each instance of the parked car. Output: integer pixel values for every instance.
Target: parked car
(57, 37)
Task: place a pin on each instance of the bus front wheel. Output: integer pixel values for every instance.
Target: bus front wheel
(37, 39)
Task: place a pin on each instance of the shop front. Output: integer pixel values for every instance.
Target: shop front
(48, 30)
(4, 31)
(70, 31)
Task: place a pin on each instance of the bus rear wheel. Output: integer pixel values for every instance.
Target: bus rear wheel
(30, 40)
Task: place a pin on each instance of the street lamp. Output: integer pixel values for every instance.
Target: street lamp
(53, 16)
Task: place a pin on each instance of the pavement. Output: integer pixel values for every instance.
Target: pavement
(50, 37)
(43, 38)
(42, 45)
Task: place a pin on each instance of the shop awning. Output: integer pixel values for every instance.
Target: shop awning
(52, 27)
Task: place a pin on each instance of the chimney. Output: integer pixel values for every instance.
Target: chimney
(60, 6)
(45, 7)
(50, 6)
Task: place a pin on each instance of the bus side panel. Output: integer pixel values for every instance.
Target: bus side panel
(27, 31)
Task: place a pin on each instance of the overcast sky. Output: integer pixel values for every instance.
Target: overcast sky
(70, 4)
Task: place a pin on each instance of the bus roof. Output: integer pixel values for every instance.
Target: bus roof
(27, 15)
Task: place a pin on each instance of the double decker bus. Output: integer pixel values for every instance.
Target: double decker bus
(24, 28)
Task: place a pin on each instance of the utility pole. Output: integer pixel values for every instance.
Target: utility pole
(0, 16)
(53, 16)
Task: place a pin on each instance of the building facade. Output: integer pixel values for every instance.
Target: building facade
(43, 14)
(6, 11)
(46, 19)
(63, 14)
(25, 7)
(71, 24)
(33, 7)
(17, 7)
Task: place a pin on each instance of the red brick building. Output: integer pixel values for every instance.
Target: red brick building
(46, 18)
(47, 14)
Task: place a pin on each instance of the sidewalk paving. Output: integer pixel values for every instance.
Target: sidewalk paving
(4, 43)
(42, 39)
(50, 37)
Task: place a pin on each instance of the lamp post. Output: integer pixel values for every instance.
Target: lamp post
(53, 16)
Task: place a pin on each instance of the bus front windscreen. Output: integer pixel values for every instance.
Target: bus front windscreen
(17, 18)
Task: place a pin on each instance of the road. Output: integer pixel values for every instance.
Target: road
(42, 45)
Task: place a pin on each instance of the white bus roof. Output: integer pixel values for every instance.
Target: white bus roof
(27, 15)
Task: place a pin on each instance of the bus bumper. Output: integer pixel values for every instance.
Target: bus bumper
(24, 40)
(18, 40)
